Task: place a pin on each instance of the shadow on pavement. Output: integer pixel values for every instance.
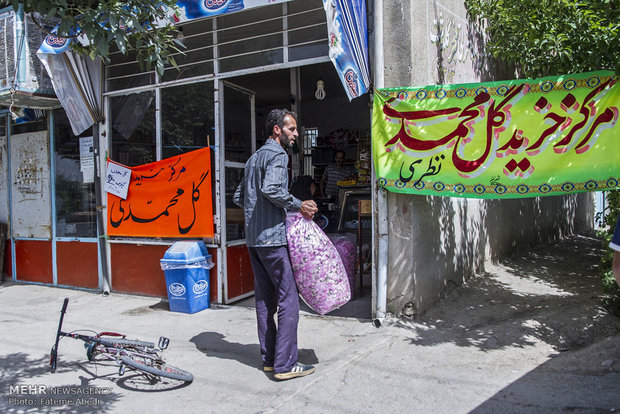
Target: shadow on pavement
(575, 383)
(17, 369)
(553, 294)
(214, 344)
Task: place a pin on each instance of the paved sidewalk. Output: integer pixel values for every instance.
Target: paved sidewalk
(527, 336)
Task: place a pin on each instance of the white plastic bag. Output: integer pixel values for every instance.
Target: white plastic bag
(319, 273)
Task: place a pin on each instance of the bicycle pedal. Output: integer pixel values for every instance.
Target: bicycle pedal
(163, 342)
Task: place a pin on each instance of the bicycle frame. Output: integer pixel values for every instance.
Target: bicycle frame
(139, 355)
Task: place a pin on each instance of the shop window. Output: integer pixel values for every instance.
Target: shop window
(250, 39)
(2, 124)
(306, 30)
(187, 118)
(238, 145)
(308, 51)
(133, 128)
(251, 60)
(310, 136)
(124, 72)
(197, 57)
(29, 121)
(253, 20)
(74, 178)
(234, 215)
(192, 64)
(257, 37)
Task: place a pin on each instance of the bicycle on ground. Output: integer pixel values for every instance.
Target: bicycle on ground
(143, 357)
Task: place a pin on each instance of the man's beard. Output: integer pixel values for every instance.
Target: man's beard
(285, 141)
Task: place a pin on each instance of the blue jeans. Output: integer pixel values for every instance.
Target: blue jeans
(275, 291)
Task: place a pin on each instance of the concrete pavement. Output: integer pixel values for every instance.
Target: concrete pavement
(529, 335)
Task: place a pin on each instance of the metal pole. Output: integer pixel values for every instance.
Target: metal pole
(103, 263)
(379, 194)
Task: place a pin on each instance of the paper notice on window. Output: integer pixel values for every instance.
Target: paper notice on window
(117, 178)
(87, 159)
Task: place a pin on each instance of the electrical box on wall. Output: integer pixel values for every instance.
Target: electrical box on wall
(24, 81)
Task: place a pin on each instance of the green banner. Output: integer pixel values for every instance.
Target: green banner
(508, 139)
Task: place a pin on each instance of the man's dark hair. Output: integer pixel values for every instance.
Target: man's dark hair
(276, 117)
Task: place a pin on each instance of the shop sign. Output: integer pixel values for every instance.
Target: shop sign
(508, 139)
(195, 9)
(167, 198)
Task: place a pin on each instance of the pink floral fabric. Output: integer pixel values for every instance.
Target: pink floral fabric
(321, 278)
(346, 245)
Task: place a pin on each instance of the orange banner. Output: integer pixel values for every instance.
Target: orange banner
(167, 198)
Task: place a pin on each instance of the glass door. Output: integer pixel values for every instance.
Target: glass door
(77, 260)
(239, 143)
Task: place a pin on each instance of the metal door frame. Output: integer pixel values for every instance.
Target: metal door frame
(221, 164)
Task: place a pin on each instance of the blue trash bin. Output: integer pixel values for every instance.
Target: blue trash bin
(186, 268)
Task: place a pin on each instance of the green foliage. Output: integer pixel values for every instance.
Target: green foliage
(128, 24)
(610, 286)
(551, 37)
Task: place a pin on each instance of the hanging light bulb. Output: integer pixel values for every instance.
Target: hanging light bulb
(320, 90)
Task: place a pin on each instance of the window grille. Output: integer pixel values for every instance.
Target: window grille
(310, 136)
(273, 35)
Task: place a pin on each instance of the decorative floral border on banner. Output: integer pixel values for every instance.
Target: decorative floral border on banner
(509, 139)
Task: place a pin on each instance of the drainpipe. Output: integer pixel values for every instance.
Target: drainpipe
(380, 194)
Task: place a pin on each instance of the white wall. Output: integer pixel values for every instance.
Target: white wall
(30, 179)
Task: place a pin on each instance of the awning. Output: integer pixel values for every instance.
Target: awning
(77, 81)
(348, 43)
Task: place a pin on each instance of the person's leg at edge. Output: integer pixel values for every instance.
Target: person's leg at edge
(277, 260)
(266, 306)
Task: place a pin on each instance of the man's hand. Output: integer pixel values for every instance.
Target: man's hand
(308, 208)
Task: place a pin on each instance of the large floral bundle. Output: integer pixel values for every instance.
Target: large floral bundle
(346, 245)
(319, 273)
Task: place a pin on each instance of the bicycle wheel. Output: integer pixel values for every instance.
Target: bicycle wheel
(157, 367)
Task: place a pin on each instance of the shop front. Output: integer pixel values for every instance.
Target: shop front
(236, 67)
